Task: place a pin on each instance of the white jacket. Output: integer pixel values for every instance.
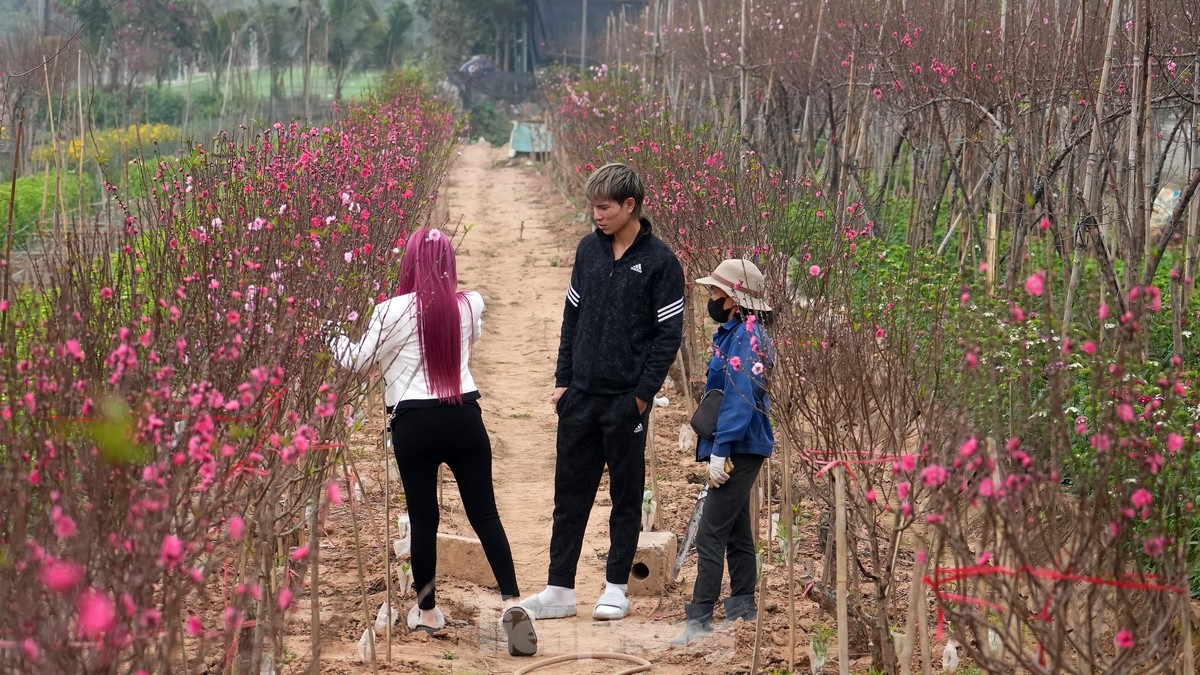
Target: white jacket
(392, 340)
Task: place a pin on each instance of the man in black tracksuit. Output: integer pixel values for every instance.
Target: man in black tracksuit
(622, 324)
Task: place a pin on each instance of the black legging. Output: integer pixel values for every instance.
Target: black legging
(423, 439)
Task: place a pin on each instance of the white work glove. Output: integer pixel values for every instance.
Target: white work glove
(716, 471)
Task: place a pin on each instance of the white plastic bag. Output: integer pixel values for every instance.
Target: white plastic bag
(366, 646)
(402, 547)
(649, 510)
(381, 618)
(403, 529)
(405, 579)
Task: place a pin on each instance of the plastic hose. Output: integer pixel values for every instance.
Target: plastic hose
(642, 665)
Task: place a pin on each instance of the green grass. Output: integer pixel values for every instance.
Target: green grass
(257, 83)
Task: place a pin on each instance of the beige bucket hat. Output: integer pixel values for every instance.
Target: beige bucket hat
(742, 280)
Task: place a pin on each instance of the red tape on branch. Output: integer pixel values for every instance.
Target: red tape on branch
(946, 575)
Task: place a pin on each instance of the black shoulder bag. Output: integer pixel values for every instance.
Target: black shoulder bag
(704, 420)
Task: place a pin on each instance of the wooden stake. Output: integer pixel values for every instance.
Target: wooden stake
(923, 622)
(916, 602)
(758, 625)
(790, 551)
(314, 549)
(651, 458)
(843, 590)
(362, 572)
(1189, 656)
(387, 532)
(82, 132)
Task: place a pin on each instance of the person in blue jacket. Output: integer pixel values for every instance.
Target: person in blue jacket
(742, 355)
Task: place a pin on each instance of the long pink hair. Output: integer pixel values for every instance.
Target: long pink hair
(428, 269)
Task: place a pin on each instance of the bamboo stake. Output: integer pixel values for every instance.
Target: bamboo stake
(843, 590)
(762, 588)
(387, 533)
(651, 459)
(58, 201)
(923, 618)
(8, 237)
(314, 549)
(79, 100)
(993, 223)
(1189, 248)
(362, 572)
(766, 470)
(791, 549)
(916, 600)
(1189, 657)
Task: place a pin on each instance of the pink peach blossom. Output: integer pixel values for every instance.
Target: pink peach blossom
(1141, 498)
(60, 576)
(97, 613)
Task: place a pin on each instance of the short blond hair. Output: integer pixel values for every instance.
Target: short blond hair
(617, 182)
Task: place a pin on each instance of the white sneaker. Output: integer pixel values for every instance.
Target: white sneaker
(610, 606)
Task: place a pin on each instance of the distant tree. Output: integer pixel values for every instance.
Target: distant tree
(150, 39)
(17, 16)
(389, 46)
(461, 28)
(23, 75)
(94, 24)
(216, 35)
(278, 40)
(351, 27)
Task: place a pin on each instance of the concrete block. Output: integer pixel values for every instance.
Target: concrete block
(463, 558)
(653, 563)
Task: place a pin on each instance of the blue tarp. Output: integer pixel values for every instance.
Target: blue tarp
(529, 137)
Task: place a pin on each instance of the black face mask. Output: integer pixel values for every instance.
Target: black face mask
(716, 310)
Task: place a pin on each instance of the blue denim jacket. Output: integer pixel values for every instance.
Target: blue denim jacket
(742, 424)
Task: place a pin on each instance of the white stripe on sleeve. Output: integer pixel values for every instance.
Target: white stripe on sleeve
(671, 310)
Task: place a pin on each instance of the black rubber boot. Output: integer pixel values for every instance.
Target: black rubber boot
(739, 607)
(698, 624)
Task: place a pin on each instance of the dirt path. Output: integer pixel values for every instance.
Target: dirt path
(516, 237)
(518, 252)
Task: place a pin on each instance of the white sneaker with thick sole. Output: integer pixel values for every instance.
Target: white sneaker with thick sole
(540, 610)
(610, 606)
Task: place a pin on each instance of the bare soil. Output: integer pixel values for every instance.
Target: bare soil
(517, 236)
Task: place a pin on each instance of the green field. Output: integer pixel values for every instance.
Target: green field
(257, 83)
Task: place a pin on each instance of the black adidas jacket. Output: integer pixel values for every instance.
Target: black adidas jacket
(623, 319)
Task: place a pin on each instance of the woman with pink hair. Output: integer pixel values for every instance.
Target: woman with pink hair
(421, 339)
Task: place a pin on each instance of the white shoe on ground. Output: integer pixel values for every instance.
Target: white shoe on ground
(611, 605)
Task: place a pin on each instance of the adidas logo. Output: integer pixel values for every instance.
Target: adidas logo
(639, 428)
(637, 268)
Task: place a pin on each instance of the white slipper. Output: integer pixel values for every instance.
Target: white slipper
(518, 626)
(611, 605)
(414, 618)
(540, 610)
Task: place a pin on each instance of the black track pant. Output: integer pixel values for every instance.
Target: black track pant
(425, 438)
(595, 430)
(725, 533)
